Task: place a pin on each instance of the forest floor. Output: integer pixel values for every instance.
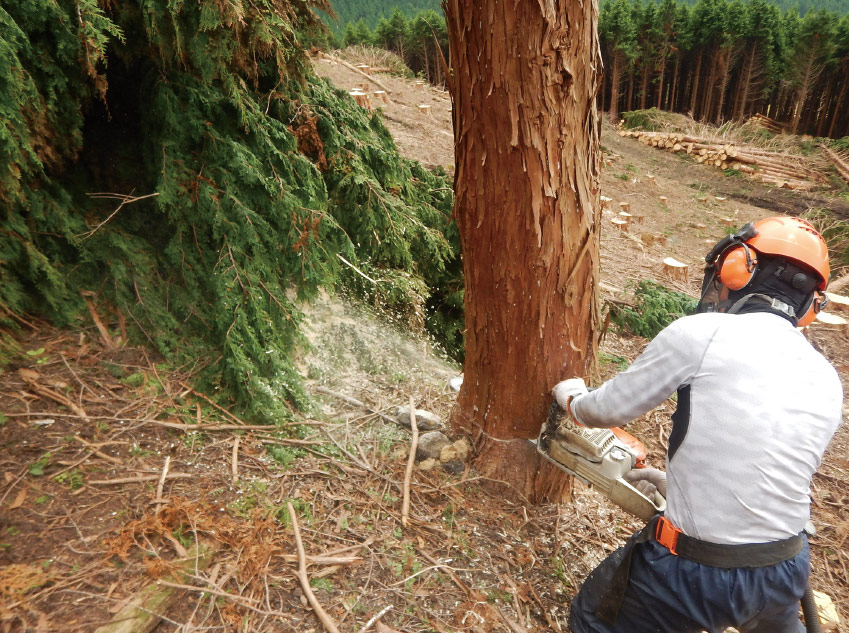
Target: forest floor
(121, 485)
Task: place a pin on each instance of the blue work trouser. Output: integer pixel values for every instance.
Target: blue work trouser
(670, 594)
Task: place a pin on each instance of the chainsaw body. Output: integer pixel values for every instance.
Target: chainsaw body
(598, 458)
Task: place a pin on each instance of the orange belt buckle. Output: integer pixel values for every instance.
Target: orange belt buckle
(666, 534)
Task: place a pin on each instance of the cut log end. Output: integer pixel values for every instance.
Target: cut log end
(676, 270)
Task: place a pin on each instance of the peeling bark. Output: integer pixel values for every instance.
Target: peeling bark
(526, 132)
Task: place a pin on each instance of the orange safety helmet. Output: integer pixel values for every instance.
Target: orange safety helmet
(734, 259)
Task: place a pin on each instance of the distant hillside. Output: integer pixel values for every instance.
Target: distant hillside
(372, 10)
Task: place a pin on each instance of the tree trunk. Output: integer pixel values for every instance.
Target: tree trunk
(802, 92)
(673, 93)
(660, 84)
(694, 91)
(644, 85)
(822, 112)
(629, 105)
(744, 85)
(710, 85)
(837, 109)
(526, 133)
(615, 84)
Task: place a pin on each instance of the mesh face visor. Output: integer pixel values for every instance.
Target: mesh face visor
(712, 288)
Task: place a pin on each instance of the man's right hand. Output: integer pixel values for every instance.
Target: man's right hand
(648, 480)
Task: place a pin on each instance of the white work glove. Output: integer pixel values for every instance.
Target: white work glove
(567, 389)
(647, 480)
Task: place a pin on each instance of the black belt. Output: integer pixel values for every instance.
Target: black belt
(661, 530)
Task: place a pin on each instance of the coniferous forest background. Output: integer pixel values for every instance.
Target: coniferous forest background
(717, 60)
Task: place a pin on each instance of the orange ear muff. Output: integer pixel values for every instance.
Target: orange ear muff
(818, 302)
(737, 267)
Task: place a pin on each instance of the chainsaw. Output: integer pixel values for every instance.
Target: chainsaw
(599, 458)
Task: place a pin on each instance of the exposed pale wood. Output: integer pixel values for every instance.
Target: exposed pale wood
(841, 164)
(411, 460)
(676, 270)
(362, 99)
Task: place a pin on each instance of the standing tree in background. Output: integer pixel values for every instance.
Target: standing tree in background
(621, 46)
(526, 130)
(813, 51)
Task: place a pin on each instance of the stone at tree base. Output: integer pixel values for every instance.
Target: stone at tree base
(425, 420)
(428, 464)
(454, 467)
(430, 445)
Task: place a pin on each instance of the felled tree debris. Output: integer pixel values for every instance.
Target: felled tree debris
(776, 168)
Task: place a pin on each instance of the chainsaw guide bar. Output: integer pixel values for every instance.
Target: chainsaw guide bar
(598, 458)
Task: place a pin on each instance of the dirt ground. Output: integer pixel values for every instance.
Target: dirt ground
(121, 482)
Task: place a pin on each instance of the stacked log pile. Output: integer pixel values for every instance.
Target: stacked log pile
(777, 168)
(840, 162)
(766, 123)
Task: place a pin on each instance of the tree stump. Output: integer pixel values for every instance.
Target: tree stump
(424, 109)
(605, 202)
(620, 224)
(381, 94)
(364, 68)
(650, 239)
(362, 99)
(627, 217)
(679, 271)
(728, 221)
(626, 206)
(663, 200)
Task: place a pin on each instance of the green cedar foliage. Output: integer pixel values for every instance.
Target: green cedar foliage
(264, 185)
(657, 307)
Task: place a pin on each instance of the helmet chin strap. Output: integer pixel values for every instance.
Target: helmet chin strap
(771, 303)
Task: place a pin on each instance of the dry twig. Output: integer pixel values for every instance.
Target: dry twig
(325, 619)
(405, 505)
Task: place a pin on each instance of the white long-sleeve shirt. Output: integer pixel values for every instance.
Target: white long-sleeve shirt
(757, 407)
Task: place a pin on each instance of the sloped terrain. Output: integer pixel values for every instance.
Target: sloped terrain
(120, 482)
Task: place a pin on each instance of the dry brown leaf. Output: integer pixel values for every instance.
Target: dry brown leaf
(19, 499)
(28, 375)
(380, 627)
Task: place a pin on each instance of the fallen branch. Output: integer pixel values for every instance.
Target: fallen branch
(414, 444)
(325, 619)
(98, 452)
(356, 70)
(160, 487)
(104, 333)
(374, 619)
(355, 403)
(138, 479)
(213, 403)
(234, 465)
(31, 379)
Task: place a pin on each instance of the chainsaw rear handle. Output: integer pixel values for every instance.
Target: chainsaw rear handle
(626, 438)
